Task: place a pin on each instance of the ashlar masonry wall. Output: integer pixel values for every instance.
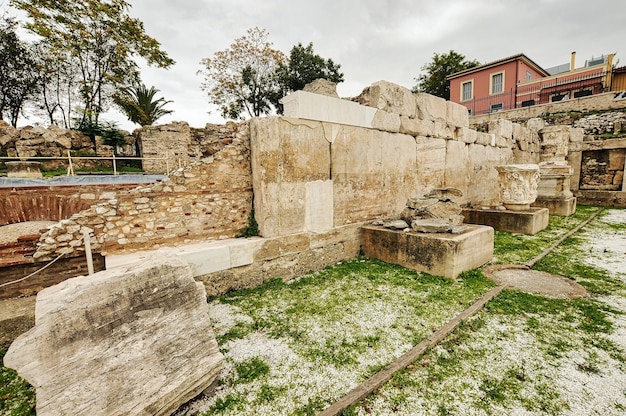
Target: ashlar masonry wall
(333, 162)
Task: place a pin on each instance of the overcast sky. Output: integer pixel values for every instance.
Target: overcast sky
(372, 39)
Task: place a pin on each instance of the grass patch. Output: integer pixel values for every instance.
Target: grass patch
(17, 397)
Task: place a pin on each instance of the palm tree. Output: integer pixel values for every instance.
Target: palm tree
(139, 105)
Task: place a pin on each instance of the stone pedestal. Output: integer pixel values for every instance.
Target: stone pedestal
(441, 254)
(530, 221)
(518, 185)
(23, 169)
(554, 191)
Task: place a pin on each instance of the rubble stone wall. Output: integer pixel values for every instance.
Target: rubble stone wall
(599, 102)
(209, 199)
(50, 203)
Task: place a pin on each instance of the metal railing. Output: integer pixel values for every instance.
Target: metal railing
(553, 90)
(70, 165)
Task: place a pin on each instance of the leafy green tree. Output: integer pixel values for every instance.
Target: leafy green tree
(139, 104)
(434, 81)
(306, 66)
(19, 77)
(241, 80)
(100, 39)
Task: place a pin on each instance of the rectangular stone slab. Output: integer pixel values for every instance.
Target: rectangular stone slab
(530, 221)
(440, 254)
(561, 207)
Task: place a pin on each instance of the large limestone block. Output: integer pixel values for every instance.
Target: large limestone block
(400, 179)
(386, 121)
(441, 254)
(457, 114)
(502, 128)
(430, 107)
(311, 106)
(357, 173)
(466, 135)
(457, 166)
(389, 97)
(134, 340)
(431, 163)
(289, 150)
(319, 206)
(323, 87)
(416, 126)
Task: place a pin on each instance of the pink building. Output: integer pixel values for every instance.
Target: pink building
(517, 81)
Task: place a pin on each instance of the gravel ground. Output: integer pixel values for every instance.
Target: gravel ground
(10, 233)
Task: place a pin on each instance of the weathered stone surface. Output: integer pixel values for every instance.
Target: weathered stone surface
(389, 97)
(554, 143)
(131, 341)
(430, 107)
(445, 255)
(431, 163)
(310, 106)
(518, 185)
(323, 87)
(416, 126)
(457, 114)
(386, 121)
(529, 221)
(501, 128)
(435, 212)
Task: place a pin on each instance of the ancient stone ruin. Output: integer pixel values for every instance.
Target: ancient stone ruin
(135, 340)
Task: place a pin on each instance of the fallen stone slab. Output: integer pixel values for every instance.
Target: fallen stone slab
(135, 340)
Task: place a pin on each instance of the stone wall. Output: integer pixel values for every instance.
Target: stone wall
(55, 142)
(339, 162)
(599, 102)
(209, 199)
(51, 203)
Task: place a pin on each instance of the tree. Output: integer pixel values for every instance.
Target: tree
(241, 80)
(19, 78)
(304, 66)
(139, 104)
(100, 39)
(434, 81)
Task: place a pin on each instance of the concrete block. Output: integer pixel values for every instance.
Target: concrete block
(530, 221)
(439, 254)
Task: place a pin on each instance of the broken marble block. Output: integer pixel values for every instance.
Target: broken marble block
(134, 340)
(435, 212)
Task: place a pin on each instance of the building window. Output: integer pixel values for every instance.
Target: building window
(495, 108)
(497, 83)
(582, 93)
(528, 103)
(467, 89)
(529, 76)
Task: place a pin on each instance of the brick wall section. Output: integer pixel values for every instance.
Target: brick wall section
(210, 199)
(59, 271)
(50, 203)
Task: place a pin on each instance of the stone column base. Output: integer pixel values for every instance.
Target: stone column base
(522, 222)
(561, 207)
(440, 254)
